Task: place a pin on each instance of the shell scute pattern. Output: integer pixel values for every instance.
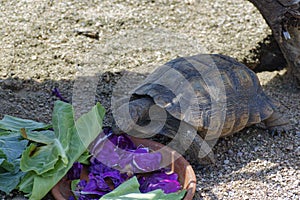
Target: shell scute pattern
(186, 87)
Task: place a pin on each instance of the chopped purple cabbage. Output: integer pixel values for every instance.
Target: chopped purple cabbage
(98, 168)
(75, 171)
(123, 154)
(160, 180)
(56, 93)
(95, 183)
(115, 159)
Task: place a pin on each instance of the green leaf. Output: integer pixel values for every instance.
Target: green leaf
(85, 158)
(7, 132)
(26, 183)
(129, 190)
(74, 139)
(88, 123)
(74, 184)
(42, 137)
(41, 159)
(15, 124)
(130, 186)
(63, 121)
(6, 166)
(9, 181)
(10, 151)
(12, 147)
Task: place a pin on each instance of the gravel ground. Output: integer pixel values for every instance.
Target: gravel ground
(93, 50)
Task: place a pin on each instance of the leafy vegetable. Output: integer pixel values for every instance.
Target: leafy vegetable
(42, 137)
(50, 153)
(115, 176)
(44, 158)
(71, 142)
(115, 159)
(14, 124)
(168, 182)
(129, 190)
(75, 171)
(9, 181)
(118, 151)
(84, 158)
(10, 151)
(11, 148)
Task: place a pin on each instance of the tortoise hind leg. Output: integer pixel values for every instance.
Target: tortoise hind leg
(276, 122)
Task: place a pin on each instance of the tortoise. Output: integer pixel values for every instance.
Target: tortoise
(195, 100)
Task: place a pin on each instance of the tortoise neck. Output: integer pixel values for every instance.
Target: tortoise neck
(139, 108)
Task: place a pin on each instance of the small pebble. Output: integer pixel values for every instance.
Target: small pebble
(290, 147)
(34, 57)
(239, 154)
(297, 151)
(226, 162)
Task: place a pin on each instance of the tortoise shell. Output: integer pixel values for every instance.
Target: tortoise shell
(214, 93)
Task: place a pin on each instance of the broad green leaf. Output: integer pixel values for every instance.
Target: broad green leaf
(10, 152)
(6, 133)
(63, 122)
(9, 163)
(12, 147)
(15, 124)
(42, 137)
(26, 183)
(88, 123)
(60, 165)
(129, 190)
(9, 181)
(74, 138)
(84, 158)
(42, 159)
(6, 166)
(130, 186)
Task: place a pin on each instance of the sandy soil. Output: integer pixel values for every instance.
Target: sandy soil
(93, 50)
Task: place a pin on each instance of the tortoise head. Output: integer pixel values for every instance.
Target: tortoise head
(139, 118)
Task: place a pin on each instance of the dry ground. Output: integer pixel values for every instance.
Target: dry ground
(42, 47)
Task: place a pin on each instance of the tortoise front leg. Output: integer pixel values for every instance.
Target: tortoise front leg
(187, 138)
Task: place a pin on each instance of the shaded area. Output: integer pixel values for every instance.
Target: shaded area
(266, 56)
(283, 19)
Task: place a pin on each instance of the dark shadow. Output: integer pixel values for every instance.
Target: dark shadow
(34, 100)
(30, 99)
(266, 56)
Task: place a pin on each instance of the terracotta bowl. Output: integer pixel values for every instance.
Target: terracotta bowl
(170, 158)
